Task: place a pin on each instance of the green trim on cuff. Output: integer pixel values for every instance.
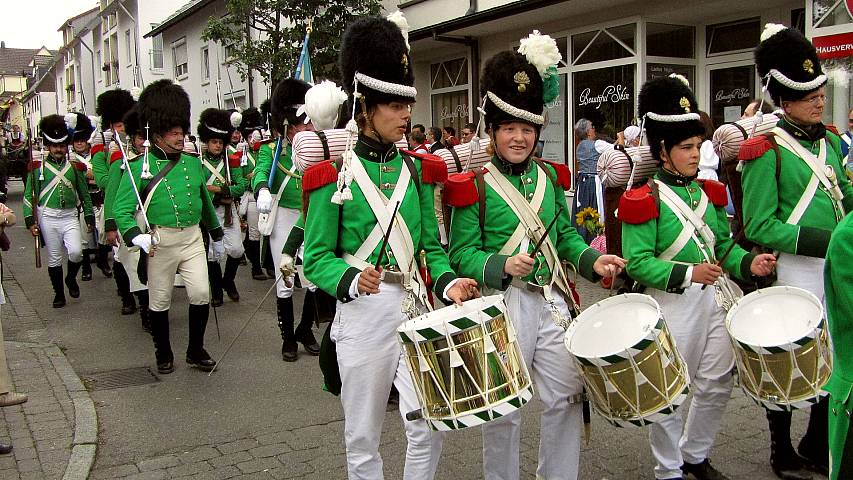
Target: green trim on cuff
(217, 233)
(813, 242)
(676, 277)
(745, 270)
(29, 222)
(130, 235)
(342, 292)
(493, 272)
(110, 225)
(441, 284)
(585, 263)
(293, 242)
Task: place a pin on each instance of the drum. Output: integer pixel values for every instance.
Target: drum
(781, 347)
(633, 373)
(466, 364)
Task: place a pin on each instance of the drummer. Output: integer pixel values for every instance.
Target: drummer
(343, 242)
(520, 196)
(675, 232)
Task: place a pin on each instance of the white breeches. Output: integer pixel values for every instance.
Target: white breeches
(285, 219)
(88, 239)
(698, 328)
(803, 272)
(251, 216)
(180, 250)
(60, 229)
(555, 380)
(233, 236)
(130, 261)
(370, 360)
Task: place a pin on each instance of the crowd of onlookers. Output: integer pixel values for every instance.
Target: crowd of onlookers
(423, 140)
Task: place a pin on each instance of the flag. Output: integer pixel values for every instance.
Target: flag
(303, 67)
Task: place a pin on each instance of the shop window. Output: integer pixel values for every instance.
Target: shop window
(449, 94)
(732, 89)
(610, 43)
(552, 141)
(663, 40)
(798, 19)
(732, 36)
(655, 70)
(451, 73)
(605, 96)
(828, 13)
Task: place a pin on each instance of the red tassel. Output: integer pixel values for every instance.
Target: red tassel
(234, 159)
(96, 149)
(460, 191)
(319, 175)
(79, 166)
(754, 148)
(433, 168)
(115, 156)
(564, 175)
(716, 192)
(33, 165)
(833, 129)
(638, 206)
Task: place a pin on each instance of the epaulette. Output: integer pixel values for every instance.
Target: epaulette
(433, 168)
(753, 148)
(716, 192)
(638, 206)
(256, 146)
(319, 175)
(96, 148)
(79, 165)
(235, 157)
(564, 175)
(115, 156)
(833, 129)
(33, 165)
(460, 190)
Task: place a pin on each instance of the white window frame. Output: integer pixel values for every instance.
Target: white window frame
(185, 71)
(128, 55)
(153, 52)
(456, 88)
(204, 64)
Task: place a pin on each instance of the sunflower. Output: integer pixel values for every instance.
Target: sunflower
(590, 219)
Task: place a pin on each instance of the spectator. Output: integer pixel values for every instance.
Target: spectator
(434, 139)
(468, 132)
(588, 192)
(752, 108)
(449, 137)
(847, 137)
(417, 142)
(419, 128)
(709, 162)
(630, 137)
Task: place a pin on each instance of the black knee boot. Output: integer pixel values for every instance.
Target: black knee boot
(55, 274)
(304, 335)
(814, 447)
(266, 259)
(71, 279)
(253, 251)
(214, 276)
(196, 354)
(102, 260)
(128, 304)
(162, 345)
(284, 309)
(87, 265)
(784, 460)
(231, 266)
(144, 314)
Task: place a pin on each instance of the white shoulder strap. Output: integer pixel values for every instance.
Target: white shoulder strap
(692, 223)
(824, 173)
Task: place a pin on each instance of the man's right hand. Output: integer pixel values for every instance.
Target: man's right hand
(34, 230)
(143, 241)
(368, 281)
(706, 273)
(519, 265)
(112, 238)
(264, 202)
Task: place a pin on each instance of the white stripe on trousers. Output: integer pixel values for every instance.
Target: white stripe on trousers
(60, 229)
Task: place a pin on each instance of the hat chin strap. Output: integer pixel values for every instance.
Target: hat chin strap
(54, 140)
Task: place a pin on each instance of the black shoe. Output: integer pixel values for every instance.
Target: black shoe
(228, 276)
(5, 448)
(288, 351)
(259, 274)
(311, 348)
(216, 302)
(58, 301)
(86, 276)
(128, 305)
(814, 464)
(200, 360)
(165, 367)
(55, 274)
(231, 291)
(702, 471)
(788, 466)
(71, 279)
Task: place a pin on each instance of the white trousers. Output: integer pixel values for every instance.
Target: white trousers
(555, 379)
(180, 250)
(130, 261)
(88, 240)
(233, 236)
(251, 216)
(698, 328)
(60, 229)
(285, 219)
(370, 360)
(803, 272)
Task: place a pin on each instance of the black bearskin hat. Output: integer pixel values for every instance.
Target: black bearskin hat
(54, 130)
(671, 112)
(265, 112)
(164, 105)
(287, 96)
(215, 123)
(82, 126)
(112, 105)
(789, 53)
(131, 123)
(252, 120)
(376, 47)
(514, 80)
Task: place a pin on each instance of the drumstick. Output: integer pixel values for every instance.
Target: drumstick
(737, 238)
(385, 239)
(547, 230)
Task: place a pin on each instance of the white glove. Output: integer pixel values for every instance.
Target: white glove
(143, 241)
(242, 147)
(287, 265)
(256, 136)
(264, 202)
(218, 248)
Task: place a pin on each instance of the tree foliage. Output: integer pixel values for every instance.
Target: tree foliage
(266, 35)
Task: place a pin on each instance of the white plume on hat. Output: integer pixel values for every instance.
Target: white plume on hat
(322, 104)
(397, 18)
(236, 119)
(71, 120)
(135, 92)
(540, 50)
(771, 29)
(680, 78)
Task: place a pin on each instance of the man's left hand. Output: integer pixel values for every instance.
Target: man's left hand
(609, 265)
(463, 289)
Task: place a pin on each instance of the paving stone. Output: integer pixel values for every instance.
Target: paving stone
(152, 475)
(158, 463)
(237, 445)
(269, 450)
(115, 472)
(258, 464)
(292, 471)
(189, 469)
(231, 459)
(199, 454)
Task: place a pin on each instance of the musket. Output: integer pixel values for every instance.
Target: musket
(386, 237)
(34, 204)
(545, 235)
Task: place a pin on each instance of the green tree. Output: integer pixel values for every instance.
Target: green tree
(266, 35)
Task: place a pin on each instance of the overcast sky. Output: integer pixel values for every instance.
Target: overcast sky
(33, 23)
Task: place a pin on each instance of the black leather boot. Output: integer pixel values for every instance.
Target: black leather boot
(304, 335)
(814, 447)
(71, 279)
(87, 266)
(784, 461)
(55, 274)
(162, 345)
(102, 260)
(284, 309)
(253, 251)
(196, 355)
(231, 266)
(214, 276)
(142, 298)
(266, 260)
(128, 304)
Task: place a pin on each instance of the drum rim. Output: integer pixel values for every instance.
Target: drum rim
(437, 318)
(622, 298)
(764, 293)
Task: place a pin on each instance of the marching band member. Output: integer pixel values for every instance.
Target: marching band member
(343, 240)
(287, 97)
(521, 195)
(80, 151)
(174, 200)
(674, 232)
(112, 105)
(792, 204)
(225, 184)
(58, 185)
(251, 127)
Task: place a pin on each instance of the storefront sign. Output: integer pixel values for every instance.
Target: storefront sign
(732, 95)
(461, 111)
(611, 93)
(834, 46)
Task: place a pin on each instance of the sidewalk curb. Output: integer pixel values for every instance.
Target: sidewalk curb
(85, 442)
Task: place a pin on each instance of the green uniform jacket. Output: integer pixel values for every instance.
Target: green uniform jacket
(100, 163)
(474, 253)
(332, 230)
(180, 200)
(249, 168)
(62, 196)
(237, 179)
(643, 242)
(838, 282)
(768, 201)
(295, 238)
(292, 195)
(115, 176)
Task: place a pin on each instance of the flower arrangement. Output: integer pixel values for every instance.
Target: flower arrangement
(590, 219)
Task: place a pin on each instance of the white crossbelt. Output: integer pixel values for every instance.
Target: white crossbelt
(692, 223)
(215, 172)
(59, 176)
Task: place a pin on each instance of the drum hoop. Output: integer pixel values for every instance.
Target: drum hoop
(622, 353)
(814, 328)
(451, 319)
